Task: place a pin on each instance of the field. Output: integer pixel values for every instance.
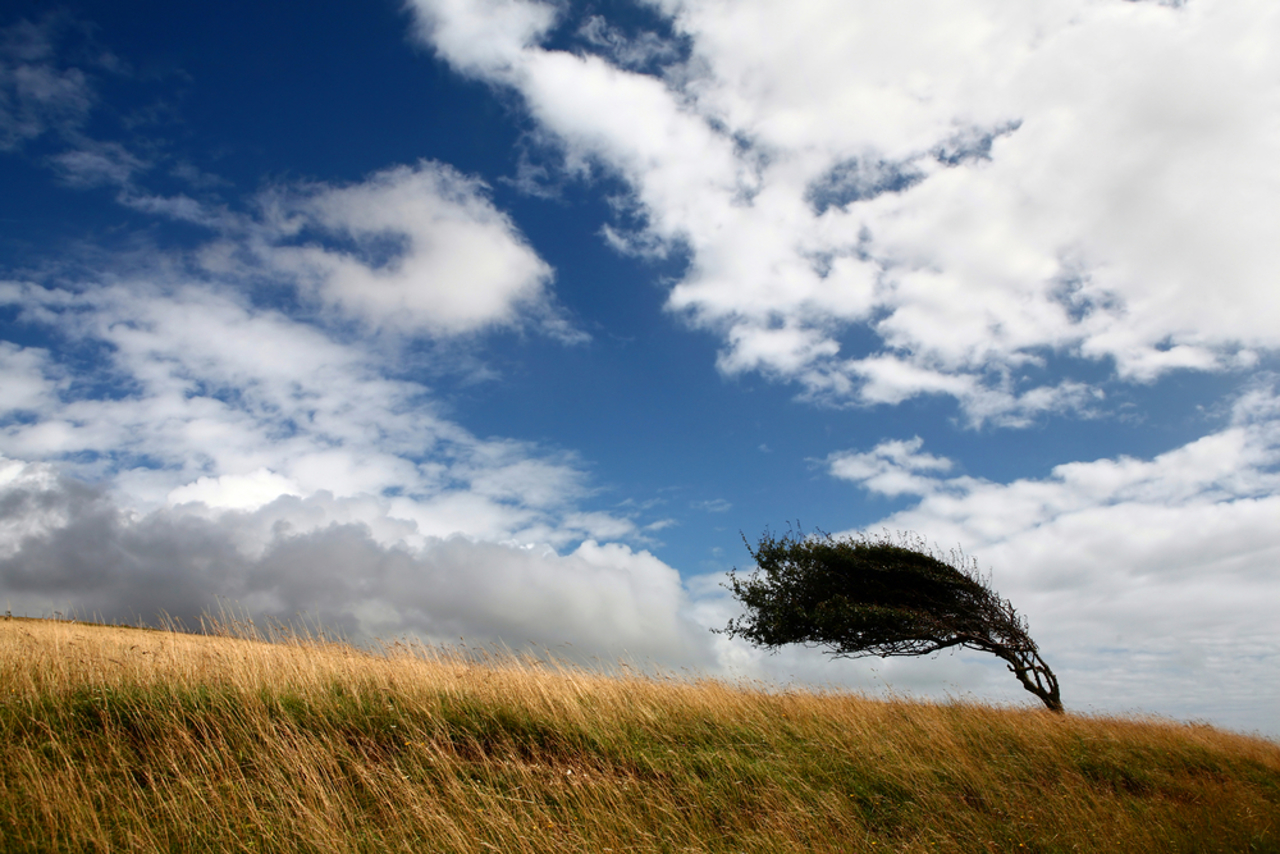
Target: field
(120, 739)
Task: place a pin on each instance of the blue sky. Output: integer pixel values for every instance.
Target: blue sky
(506, 320)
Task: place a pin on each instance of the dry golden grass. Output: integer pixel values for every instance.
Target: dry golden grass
(121, 739)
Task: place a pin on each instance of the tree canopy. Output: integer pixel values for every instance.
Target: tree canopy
(864, 596)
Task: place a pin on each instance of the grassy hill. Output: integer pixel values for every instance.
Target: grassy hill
(120, 739)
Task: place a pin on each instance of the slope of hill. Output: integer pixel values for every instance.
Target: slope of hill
(118, 739)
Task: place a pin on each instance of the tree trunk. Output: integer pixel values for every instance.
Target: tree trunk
(1035, 676)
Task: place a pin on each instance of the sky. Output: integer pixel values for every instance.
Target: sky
(516, 322)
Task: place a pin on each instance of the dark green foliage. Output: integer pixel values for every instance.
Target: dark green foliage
(862, 596)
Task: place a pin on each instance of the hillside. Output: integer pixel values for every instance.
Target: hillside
(118, 739)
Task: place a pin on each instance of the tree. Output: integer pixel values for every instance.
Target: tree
(863, 596)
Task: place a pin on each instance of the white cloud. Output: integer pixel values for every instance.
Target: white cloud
(1152, 579)
(202, 397)
(235, 492)
(980, 184)
(891, 468)
(481, 36)
(428, 252)
(31, 380)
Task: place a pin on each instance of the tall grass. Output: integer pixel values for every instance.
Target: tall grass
(120, 739)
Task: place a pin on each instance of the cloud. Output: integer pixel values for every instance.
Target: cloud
(175, 439)
(644, 50)
(197, 395)
(481, 36)
(31, 379)
(411, 249)
(892, 468)
(235, 492)
(1141, 578)
(97, 164)
(72, 548)
(176, 444)
(981, 186)
(415, 250)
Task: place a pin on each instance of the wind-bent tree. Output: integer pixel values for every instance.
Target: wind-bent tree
(861, 596)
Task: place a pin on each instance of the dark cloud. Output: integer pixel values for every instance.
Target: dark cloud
(83, 554)
(96, 560)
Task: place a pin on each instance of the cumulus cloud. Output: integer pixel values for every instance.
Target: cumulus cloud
(892, 468)
(981, 185)
(1152, 578)
(236, 492)
(482, 36)
(412, 249)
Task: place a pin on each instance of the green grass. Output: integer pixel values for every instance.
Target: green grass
(126, 740)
